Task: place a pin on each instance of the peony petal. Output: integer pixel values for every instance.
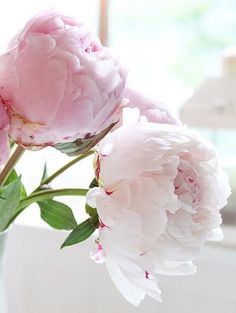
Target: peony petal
(4, 135)
(4, 147)
(130, 291)
(152, 110)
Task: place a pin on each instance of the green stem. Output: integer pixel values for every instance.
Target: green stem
(49, 194)
(63, 169)
(44, 195)
(10, 164)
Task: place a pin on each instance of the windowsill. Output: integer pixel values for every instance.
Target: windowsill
(41, 277)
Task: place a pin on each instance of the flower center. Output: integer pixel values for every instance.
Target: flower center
(186, 184)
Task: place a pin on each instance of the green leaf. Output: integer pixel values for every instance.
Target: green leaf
(92, 212)
(82, 145)
(80, 233)
(93, 183)
(9, 198)
(57, 214)
(12, 177)
(89, 210)
(45, 173)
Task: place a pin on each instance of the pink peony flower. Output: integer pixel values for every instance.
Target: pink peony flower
(58, 83)
(159, 198)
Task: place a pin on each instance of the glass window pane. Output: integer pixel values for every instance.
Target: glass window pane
(173, 43)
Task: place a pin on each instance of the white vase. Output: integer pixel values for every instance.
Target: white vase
(3, 238)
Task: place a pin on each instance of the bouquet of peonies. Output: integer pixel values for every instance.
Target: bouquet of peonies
(158, 189)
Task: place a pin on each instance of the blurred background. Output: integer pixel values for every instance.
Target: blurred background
(181, 52)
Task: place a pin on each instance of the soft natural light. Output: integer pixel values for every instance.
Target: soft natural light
(144, 198)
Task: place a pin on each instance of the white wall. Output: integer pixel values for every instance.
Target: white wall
(41, 278)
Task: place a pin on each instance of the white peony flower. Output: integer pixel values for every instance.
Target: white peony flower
(159, 198)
